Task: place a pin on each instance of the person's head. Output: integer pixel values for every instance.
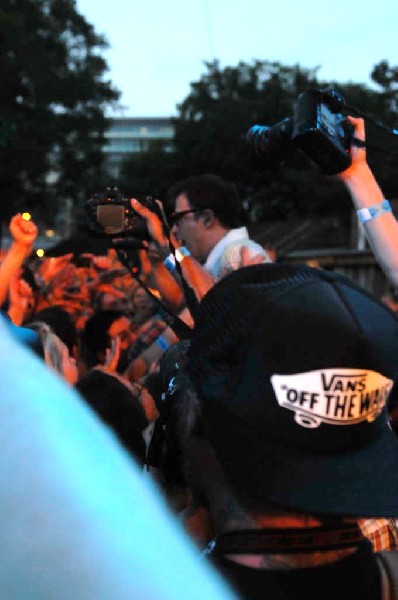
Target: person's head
(292, 369)
(113, 299)
(116, 406)
(203, 209)
(99, 331)
(144, 306)
(55, 353)
(61, 324)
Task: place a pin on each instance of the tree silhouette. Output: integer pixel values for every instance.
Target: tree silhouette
(53, 97)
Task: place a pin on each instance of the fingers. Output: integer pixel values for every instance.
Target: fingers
(146, 267)
(161, 208)
(244, 255)
(140, 209)
(24, 288)
(58, 261)
(154, 223)
(358, 153)
(359, 127)
(258, 259)
(23, 231)
(102, 262)
(248, 259)
(113, 354)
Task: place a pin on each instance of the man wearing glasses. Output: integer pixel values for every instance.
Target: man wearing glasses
(206, 221)
(210, 243)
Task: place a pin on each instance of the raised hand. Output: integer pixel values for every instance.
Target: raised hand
(24, 232)
(51, 266)
(153, 222)
(111, 357)
(103, 262)
(358, 153)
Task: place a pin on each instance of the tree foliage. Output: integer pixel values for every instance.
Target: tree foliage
(213, 119)
(149, 173)
(53, 98)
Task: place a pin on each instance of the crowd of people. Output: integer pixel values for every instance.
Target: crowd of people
(262, 416)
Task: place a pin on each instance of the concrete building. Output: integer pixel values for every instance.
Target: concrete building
(130, 135)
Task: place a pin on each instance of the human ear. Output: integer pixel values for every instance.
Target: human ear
(207, 216)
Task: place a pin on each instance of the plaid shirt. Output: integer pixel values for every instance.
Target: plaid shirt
(383, 533)
(146, 335)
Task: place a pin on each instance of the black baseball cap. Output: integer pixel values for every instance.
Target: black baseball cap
(295, 367)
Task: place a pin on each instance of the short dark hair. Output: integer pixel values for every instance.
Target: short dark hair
(94, 337)
(61, 323)
(116, 406)
(209, 191)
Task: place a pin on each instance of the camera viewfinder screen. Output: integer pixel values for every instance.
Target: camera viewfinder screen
(327, 120)
(111, 217)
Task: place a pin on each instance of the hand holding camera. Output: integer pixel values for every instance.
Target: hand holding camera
(358, 153)
(154, 223)
(111, 214)
(317, 127)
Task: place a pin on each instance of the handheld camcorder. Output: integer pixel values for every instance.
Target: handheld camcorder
(317, 127)
(110, 214)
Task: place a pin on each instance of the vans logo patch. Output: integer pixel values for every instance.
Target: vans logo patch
(333, 396)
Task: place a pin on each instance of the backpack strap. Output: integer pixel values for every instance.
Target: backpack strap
(387, 561)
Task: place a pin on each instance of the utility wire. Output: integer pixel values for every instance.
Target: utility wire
(209, 29)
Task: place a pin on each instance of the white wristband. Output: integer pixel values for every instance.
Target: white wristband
(371, 212)
(182, 253)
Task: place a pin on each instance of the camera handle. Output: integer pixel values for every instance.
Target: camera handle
(181, 329)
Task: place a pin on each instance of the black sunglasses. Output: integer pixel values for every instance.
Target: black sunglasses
(176, 216)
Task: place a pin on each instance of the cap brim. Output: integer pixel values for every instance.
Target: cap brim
(359, 483)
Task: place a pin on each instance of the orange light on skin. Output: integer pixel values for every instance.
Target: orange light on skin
(26, 216)
(40, 252)
(155, 292)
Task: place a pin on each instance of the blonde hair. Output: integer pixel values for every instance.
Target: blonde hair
(51, 345)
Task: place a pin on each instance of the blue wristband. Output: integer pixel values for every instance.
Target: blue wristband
(180, 254)
(170, 263)
(371, 212)
(160, 341)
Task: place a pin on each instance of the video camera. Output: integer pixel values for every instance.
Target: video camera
(317, 127)
(110, 214)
